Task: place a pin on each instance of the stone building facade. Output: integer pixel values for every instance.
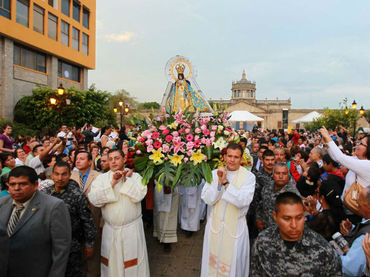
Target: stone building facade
(276, 113)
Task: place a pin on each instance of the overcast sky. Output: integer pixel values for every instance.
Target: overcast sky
(315, 52)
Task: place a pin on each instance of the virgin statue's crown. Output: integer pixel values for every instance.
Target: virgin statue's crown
(180, 68)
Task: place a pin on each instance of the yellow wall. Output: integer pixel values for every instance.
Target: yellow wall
(26, 35)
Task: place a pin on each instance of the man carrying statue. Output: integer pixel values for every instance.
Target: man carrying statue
(119, 193)
(226, 238)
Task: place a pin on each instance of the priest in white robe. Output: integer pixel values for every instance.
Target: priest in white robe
(123, 249)
(226, 239)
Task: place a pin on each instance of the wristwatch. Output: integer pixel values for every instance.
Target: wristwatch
(224, 184)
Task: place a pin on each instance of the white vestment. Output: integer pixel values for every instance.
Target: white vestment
(241, 199)
(190, 207)
(123, 249)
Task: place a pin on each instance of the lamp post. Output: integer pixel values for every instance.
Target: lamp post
(123, 110)
(361, 111)
(61, 97)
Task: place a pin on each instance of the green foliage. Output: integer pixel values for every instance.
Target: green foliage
(332, 119)
(149, 105)
(19, 129)
(122, 95)
(367, 115)
(90, 106)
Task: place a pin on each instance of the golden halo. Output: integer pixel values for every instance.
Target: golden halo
(173, 66)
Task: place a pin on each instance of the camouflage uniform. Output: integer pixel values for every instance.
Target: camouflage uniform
(262, 179)
(267, 203)
(82, 222)
(309, 256)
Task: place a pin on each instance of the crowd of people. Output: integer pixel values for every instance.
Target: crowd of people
(301, 208)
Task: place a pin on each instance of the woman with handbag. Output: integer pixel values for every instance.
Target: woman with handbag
(359, 175)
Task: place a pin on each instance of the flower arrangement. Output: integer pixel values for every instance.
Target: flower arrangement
(182, 148)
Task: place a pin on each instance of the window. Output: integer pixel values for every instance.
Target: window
(51, 3)
(64, 33)
(85, 17)
(52, 26)
(65, 6)
(5, 8)
(22, 12)
(29, 58)
(38, 19)
(76, 11)
(68, 71)
(75, 39)
(85, 44)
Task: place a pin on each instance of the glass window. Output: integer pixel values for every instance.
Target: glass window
(76, 11)
(85, 44)
(75, 39)
(85, 17)
(5, 8)
(38, 19)
(52, 26)
(51, 3)
(64, 33)
(29, 58)
(68, 71)
(65, 6)
(22, 12)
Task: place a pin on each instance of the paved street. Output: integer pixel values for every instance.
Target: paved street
(183, 261)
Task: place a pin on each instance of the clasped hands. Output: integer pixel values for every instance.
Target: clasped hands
(119, 175)
(221, 173)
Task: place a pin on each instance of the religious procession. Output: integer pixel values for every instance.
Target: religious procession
(97, 202)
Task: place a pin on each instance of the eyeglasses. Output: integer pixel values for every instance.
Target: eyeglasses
(361, 143)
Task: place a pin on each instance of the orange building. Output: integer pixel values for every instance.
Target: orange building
(44, 42)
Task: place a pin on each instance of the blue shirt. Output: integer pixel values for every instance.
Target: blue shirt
(84, 177)
(353, 263)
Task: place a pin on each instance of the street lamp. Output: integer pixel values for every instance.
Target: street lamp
(53, 101)
(61, 89)
(362, 111)
(354, 105)
(123, 110)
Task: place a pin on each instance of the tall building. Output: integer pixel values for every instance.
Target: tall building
(44, 42)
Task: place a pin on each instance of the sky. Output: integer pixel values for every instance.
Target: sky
(315, 52)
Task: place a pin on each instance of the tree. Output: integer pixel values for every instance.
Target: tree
(122, 95)
(149, 105)
(89, 106)
(332, 119)
(367, 115)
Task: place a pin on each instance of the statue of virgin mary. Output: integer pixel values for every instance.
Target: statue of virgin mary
(180, 94)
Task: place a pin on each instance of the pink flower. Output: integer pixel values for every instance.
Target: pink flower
(189, 153)
(153, 128)
(205, 132)
(203, 140)
(165, 132)
(196, 143)
(203, 127)
(157, 144)
(208, 142)
(155, 135)
(213, 133)
(187, 130)
(196, 137)
(176, 140)
(149, 142)
(175, 133)
(212, 139)
(169, 138)
(197, 130)
(214, 127)
(189, 137)
(165, 148)
(189, 145)
(178, 147)
(138, 152)
(150, 148)
(162, 127)
(181, 131)
(146, 133)
(186, 159)
(142, 139)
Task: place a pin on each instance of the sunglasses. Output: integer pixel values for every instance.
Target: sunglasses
(361, 143)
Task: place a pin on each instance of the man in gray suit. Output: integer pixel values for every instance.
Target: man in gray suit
(35, 229)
